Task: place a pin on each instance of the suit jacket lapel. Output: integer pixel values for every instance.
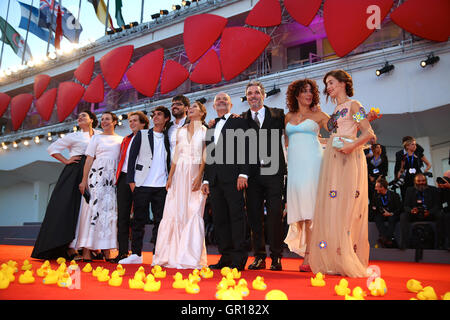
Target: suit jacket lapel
(267, 118)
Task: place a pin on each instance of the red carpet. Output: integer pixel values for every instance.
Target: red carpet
(296, 285)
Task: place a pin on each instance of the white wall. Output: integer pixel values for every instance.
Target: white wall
(17, 205)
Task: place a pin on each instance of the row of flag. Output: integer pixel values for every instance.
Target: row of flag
(50, 22)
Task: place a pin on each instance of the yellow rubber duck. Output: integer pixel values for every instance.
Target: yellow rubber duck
(73, 265)
(220, 292)
(51, 277)
(64, 280)
(60, 260)
(414, 286)
(206, 273)
(27, 277)
(158, 272)
(97, 271)
(378, 287)
(318, 281)
(13, 264)
(194, 278)
(42, 271)
(152, 285)
(4, 281)
(231, 294)
(342, 288)
(258, 283)
(242, 288)
(8, 272)
(140, 274)
(62, 268)
(358, 294)
(224, 271)
(103, 276)
(446, 296)
(116, 279)
(427, 293)
(230, 279)
(223, 284)
(276, 295)
(192, 287)
(179, 282)
(136, 284)
(120, 269)
(236, 274)
(26, 265)
(87, 268)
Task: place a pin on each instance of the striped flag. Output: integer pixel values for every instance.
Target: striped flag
(100, 11)
(11, 37)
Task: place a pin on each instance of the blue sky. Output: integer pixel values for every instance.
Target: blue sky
(92, 28)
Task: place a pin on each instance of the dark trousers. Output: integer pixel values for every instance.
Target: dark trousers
(386, 231)
(124, 205)
(270, 189)
(227, 204)
(142, 198)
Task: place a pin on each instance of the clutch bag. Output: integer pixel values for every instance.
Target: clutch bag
(338, 143)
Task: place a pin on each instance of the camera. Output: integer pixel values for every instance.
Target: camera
(428, 174)
(397, 183)
(442, 180)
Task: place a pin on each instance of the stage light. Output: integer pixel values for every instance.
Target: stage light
(123, 116)
(387, 68)
(202, 100)
(38, 138)
(134, 24)
(163, 12)
(5, 145)
(118, 30)
(273, 91)
(155, 16)
(52, 55)
(49, 136)
(15, 145)
(26, 142)
(75, 129)
(185, 3)
(243, 99)
(432, 59)
(176, 7)
(110, 32)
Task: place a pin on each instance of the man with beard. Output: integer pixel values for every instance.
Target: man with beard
(422, 203)
(179, 107)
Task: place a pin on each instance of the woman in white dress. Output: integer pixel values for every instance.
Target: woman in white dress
(181, 234)
(97, 227)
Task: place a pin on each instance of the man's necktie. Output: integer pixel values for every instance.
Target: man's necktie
(257, 120)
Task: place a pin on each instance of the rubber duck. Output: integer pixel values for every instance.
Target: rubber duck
(62, 268)
(427, 294)
(73, 265)
(446, 296)
(230, 279)
(220, 292)
(140, 274)
(149, 277)
(192, 287)
(242, 288)
(97, 271)
(42, 271)
(27, 277)
(60, 260)
(358, 294)
(194, 278)
(4, 281)
(103, 276)
(414, 286)
(13, 265)
(231, 294)
(87, 268)
(152, 285)
(26, 265)
(378, 287)
(8, 272)
(342, 288)
(64, 280)
(236, 274)
(136, 284)
(224, 271)
(258, 283)
(51, 277)
(276, 295)
(223, 284)
(158, 272)
(206, 273)
(116, 279)
(318, 281)
(120, 269)
(179, 282)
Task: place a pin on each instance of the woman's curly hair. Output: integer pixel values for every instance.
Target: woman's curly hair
(294, 90)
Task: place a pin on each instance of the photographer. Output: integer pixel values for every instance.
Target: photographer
(444, 189)
(387, 207)
(422, 203)
(377, 166)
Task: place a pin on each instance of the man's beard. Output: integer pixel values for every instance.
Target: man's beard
(421, 187)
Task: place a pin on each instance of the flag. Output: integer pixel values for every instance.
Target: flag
(58, 31)
(70, 26)
(119, 17)
(34, 22)
(100, 11)
(11, 37)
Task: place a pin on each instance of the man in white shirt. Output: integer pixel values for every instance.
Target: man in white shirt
(180, 105)
(148, 168)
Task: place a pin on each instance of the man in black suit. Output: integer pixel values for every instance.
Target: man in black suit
(265, 184)
(225, 178)
(148, 169)
(422, 203)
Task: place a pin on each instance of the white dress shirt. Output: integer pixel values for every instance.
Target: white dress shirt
(75, 142)
(157, 175)
(261, 115)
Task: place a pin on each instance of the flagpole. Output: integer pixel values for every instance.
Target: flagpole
(51, 25)
(3, 35)
(107, 15)
(26, 37)
(142, 11)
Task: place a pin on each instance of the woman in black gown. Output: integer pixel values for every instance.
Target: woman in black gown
(61, 217)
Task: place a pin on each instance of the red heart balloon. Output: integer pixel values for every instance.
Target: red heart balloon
(266, 13)
(85, 70)
(4, 103)
(20, 105)
(115, 63)
(207, 70)
(173, 75)
(41, 82)
(348, 23)
(425, 18)
(44, 105)
(200, 33)
(95, 93)
(69, 94)
(144, 74)
(239, 48)
(303, 11)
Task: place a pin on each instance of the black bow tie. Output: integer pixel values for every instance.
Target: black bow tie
(221, 118)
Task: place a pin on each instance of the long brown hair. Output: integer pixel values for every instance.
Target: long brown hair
(294, 90)
(341, 76)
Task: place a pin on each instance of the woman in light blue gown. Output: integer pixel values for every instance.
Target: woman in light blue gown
(304, 153)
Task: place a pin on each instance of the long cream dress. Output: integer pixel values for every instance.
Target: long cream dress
(339, 240)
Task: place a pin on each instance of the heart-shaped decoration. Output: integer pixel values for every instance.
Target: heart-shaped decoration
(4, 103)
(266, 13)
(41, 82)
(69, 94)
(44, 105)
(95, 93)
(173, 75)
(20, 105)
(115, 63)
(85, 70)
(303, 11)
(207, 70)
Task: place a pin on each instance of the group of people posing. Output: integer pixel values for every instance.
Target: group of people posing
(109, 183)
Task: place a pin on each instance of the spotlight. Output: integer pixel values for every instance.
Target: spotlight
(176, 7)
(155, 16)
(38, 138)
(163, 12)
(429, 61)
(75, 129)
(14, 144)
(387, 68)
(185, 3)
(52, 55)
(202, 100)
(26, 142)
(134, 24)
(110, 32)
(118, 30)
(49, 136)
(273, 91)
(5, 145)
(243, 99)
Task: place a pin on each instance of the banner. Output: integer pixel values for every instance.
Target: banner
(34, 22)
(70, 25)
